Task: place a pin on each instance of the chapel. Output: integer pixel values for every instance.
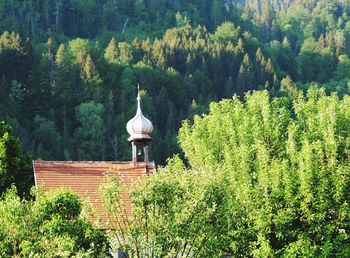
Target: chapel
(85, 177)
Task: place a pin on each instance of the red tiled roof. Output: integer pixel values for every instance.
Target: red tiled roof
(84, 177)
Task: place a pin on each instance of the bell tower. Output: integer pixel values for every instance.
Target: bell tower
(139, 128)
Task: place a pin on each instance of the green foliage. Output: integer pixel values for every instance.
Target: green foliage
(172, 214)
(15, 168)
(51, 225)
(227, 32)
(287, 86)
(46, 136)
(125, 52)
(112, 51)
(70, 97)
(82, 51)
(341, 87)
(181, 21)
(264, 180)
(343, 68)
(91, 132)
(14, 52)
(284, 172)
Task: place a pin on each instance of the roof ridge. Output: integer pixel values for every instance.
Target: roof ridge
(80, 161)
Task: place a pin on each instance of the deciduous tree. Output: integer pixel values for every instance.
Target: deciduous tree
(52, 225)
(262, 180)
(15, 168)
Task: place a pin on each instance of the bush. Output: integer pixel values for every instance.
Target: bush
(51, 225)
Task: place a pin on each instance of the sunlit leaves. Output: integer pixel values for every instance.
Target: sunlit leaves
(51, 225)
(264, 179)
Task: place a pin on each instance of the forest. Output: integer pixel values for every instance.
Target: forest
(60, 74)
(69, 71)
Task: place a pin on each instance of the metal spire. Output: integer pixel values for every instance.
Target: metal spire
(138, 100)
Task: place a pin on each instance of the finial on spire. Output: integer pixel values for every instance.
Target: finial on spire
(138, 99)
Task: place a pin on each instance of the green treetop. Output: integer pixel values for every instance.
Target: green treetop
(112, 51)
(15, 168)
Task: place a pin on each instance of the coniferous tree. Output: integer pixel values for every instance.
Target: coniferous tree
(90, 135)
(244, 78)
(190, 62)
(112, 51)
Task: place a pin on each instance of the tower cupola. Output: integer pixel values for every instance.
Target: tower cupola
(139, 128)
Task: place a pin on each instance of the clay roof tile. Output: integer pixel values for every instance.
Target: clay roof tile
(85, 178)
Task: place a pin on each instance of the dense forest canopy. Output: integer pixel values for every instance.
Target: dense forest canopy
(69, 69)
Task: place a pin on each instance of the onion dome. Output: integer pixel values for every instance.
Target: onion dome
(139, 127)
